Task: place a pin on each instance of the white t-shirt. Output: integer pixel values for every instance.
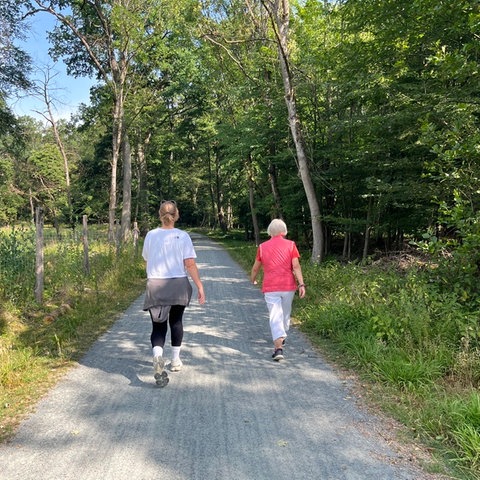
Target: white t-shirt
(165, 250)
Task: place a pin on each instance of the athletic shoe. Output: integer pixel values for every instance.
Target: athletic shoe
(160, 375)
(176, 365)
(278, 354)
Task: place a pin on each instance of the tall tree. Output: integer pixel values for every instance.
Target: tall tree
(110, 39)
(246, 86)
(279, 12)
(43, 90)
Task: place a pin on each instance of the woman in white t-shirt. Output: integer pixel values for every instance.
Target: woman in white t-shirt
(170, 258)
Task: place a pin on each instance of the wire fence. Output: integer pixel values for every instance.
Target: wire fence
(35, 259)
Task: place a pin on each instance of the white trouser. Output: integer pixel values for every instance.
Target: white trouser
(279, 307)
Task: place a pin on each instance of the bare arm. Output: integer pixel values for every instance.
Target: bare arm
(255, 270)
(192, 270)
(297, 270)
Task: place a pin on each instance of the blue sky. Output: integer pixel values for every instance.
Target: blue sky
(67, 92)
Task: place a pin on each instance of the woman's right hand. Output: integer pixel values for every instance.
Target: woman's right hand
(201, 296)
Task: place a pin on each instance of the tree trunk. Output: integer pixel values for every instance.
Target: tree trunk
(346, 244)
(211, 188)
(125, 233)
(219, 195)
(277, 204)
(141, 209)
(279, 12)
(251, 191)
(39, 256)
(366, 240)
(116, 143)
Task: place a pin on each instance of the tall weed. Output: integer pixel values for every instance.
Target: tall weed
(410, 371)
(361, 352)
(465, 370)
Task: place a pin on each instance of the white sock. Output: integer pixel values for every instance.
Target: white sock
(157, 351)
(176, 353)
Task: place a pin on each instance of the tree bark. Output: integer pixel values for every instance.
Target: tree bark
(141, 210)
(251, 196)
(366, 240)
(125, 232)
(219, 194)
(117, 131)
(277, 203)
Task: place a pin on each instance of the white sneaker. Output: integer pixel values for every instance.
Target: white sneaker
(160, 375)
(176, 365)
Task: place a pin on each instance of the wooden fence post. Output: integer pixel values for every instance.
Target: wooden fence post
(118, 242)
(39, 256)
(136, 234)
(86, 263)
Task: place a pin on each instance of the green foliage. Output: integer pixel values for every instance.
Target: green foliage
(413, 371)
(15, 63)
(386, 93)
(458, 262)
(17, 263)
(467, 439)
(64, 272)
(69, 273)
(460, 425)
(466, 365)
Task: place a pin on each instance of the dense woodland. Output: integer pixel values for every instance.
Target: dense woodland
(356, 121)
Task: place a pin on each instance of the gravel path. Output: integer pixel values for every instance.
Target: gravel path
(231, 413)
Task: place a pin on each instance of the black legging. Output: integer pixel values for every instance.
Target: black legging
(159, 330)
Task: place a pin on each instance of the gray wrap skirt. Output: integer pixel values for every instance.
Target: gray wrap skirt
(167, 291)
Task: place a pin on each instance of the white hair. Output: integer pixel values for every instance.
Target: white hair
(277, 227)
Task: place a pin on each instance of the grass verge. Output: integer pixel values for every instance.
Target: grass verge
(38, 343)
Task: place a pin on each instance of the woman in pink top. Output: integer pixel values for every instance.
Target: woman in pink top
(281, 273)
